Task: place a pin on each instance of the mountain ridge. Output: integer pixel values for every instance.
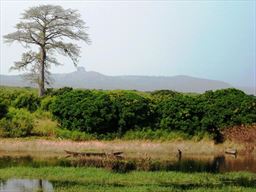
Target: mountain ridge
(96, 80)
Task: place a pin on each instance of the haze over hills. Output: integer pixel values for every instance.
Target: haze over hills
(94, 80)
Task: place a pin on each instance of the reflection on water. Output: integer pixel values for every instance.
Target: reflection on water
(197, 165)
(31, 161)
(25, 185)
(218, 164)
(214, 164)
(240, 163)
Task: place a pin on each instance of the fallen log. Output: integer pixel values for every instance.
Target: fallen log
(231, 151)
(93, 154)
(117, 153)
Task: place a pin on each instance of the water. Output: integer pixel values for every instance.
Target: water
(213, 164)
(217, 164)
(25, 185)
(32, 161)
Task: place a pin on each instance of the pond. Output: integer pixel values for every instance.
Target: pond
(25, 185)
(189, 163)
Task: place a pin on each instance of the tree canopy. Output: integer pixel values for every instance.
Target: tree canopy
(53, 30)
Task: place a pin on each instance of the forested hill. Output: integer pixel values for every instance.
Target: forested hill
(95, 80)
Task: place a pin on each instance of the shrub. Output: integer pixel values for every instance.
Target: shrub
(17, 123)
(3, 110)
(45, 127)
(225, 108)
(87, 111)
(132, 110)
(41, 114)
(158, 134)
(102, 112)
(112, 114)
(164, 94)
(28, 101)
(179, 113)
(46, 102)
(56, 92)
(73, 135)
(8, 95)
(207, 113)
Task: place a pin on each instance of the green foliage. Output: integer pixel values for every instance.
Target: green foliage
(46, 102)
(208, 112)
(8, 95)
(28, 101)
(132, 110)
(20, 98)
(54, 92)
(114, 113)
(73, 135)
(17, 123)
(42, 114)
(101, 112)
(161, 94)
(164, 114)
(44, 126)
(87, 111)
(225, 108)
(158, 134)
(179, 113)
(3, 110)
(73, 179)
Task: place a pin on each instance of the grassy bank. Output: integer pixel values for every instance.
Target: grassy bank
(129, 147)
(92, 179)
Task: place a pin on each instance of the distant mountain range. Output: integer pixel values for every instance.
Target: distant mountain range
(95, 80)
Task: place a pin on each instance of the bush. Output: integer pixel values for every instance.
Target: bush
(102, 112)
(28, 101)
(17, 123)
(8, 95)
(132, 110)
(3, 110)
(49, 128)
(45, 127)
(158, 134)
(112, 114)
(73, 135)
(160, 95)
(161, 114)
(179, 113)
(87, 111)
(225, 108)
(56, 92)
(46, 102)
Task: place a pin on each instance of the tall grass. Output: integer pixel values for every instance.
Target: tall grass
(93, 179)
(164, 135)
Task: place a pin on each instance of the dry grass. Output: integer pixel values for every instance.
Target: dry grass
(162, 150)
(245, 135)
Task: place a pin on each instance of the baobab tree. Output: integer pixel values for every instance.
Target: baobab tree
(52, 30)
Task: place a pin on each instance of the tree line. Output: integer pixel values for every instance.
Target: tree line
(118, 112)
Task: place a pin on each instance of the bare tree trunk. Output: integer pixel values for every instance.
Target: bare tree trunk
(41, 73)
(42, 64)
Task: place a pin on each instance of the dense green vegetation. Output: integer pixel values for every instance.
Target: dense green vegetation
(72, 179)
(88, 114)
(17, 123)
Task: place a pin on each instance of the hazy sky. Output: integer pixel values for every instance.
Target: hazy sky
(207, 39)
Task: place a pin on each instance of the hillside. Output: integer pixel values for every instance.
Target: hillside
(95, 80)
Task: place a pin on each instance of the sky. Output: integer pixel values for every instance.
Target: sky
(205, 39)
